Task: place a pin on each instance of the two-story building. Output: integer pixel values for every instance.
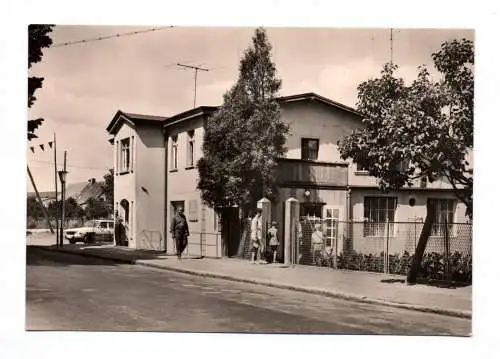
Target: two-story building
(155, 161)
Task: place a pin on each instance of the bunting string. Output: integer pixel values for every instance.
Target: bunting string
(42, 146)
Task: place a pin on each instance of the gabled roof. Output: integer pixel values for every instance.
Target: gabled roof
(311, 96)
(133, 119)
(195, 112)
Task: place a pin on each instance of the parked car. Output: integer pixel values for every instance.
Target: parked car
(99, 230)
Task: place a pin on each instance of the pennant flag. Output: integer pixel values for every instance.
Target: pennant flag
(32, 149)
(41, 146)
(50, 144)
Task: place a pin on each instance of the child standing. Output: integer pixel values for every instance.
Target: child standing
(273, 239)
(317, 243)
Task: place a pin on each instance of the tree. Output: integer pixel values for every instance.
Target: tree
(37, 41)
(109, 189)
(423, 130)
(71, 209)
(95, 209)
(33, 208)
(245, 137)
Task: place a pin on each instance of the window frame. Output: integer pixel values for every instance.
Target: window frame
(125, 155)
(174, 153)
(190, 153)
(304, 148)
(437, 226)
(372, 225)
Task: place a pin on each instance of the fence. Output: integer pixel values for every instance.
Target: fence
(202, 244)
(388, 247)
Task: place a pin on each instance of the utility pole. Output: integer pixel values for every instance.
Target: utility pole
(62, 176)
(55, 183)
(45, 213)
(196, 69)
(391, 46)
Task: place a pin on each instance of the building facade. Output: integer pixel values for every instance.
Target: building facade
(156, 160)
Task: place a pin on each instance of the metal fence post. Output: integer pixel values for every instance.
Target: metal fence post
(216, 245)
(336, 244)
(446, 251)
(386, 247)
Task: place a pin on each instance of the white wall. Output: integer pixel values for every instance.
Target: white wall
(150, 188)
(124, 184)
(317, 120)
(181, 184)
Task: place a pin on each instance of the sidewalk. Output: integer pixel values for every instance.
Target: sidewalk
(366, 287)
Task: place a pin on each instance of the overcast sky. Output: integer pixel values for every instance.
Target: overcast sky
(85, 84)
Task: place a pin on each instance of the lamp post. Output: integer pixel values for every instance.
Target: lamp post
(62, 177)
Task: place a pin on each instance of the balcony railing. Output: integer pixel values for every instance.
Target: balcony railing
(299, 172)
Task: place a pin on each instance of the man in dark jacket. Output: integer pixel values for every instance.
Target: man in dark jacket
(180, 231)
(120, 233)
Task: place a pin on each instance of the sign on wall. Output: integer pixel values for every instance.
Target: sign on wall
(193, 210)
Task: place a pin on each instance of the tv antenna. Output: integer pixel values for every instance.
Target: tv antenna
(196, 69)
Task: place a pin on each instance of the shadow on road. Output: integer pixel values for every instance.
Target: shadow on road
(431, 283)
(37, 256)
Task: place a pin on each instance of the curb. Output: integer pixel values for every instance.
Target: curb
(327, 293)
(323, 292)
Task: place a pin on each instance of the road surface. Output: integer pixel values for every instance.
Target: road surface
(71, 292)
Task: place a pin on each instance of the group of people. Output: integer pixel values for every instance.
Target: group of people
(180, 232)
(257, 238)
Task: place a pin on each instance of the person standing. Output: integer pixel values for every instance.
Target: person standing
(119, 233)
(180, 231)
(317, 243)
(273, 239)
(256, 236)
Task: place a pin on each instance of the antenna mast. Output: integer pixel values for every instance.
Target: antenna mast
(196, 69)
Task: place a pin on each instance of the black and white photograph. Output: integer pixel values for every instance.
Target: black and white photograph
(250, 180)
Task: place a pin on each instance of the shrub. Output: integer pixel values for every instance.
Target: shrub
(432, 268)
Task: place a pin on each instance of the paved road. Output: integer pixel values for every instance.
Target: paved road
(70, 292)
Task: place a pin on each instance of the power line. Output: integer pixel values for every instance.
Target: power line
(74, 166)
(118, 35)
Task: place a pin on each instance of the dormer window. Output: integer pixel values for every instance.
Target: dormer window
(309, 149)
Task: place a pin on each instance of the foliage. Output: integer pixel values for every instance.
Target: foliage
(71, 209)
(245, 137)
(421, 130)
(33, 208)
(96, 209)
(109, 188)
(432, 267)
(38, 39)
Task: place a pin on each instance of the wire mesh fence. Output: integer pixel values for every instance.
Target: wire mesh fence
(387, 247)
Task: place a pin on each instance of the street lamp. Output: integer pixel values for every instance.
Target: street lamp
(62, 177)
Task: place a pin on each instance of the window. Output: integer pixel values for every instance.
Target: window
(331, 217)
(309, 148)
(360, 168)
(190, 149)
(174, 152)
(124, 156)
(445, 213)
(377, 212)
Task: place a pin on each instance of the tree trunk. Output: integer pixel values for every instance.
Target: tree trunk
(411, 277)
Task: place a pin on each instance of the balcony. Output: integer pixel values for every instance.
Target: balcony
(306, 173)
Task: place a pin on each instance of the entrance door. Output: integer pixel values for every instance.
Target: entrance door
(231, 232)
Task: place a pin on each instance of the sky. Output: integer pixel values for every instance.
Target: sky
(86, 84)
